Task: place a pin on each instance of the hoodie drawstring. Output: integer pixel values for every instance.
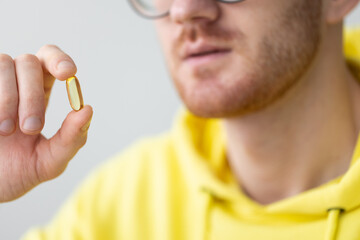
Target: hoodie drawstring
(212, 199)
(332, 219)
(333, 222)
(210, 202)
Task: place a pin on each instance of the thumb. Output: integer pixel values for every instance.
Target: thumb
(63, 146)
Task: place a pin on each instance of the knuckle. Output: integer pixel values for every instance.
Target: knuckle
(48, 47)
(4, 58)
(6, 63)
(52, 54)
(27, 58)
(83, 141)
(9, 100)
(35, 99)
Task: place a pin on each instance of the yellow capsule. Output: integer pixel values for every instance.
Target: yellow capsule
(74, 93)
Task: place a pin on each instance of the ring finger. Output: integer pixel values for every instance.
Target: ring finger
(29, 75)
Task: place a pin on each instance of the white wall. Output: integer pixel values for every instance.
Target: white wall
(122, 75)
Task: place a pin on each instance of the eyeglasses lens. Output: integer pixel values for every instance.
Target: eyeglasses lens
(152, 8)
(159, 8)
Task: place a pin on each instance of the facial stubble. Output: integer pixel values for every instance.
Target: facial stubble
(285, 54)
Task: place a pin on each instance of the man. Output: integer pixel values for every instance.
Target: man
(267, 150)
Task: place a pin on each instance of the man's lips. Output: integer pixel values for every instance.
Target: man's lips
(205, 55)
(201, 51)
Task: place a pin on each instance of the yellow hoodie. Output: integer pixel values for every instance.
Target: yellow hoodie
(178, 186)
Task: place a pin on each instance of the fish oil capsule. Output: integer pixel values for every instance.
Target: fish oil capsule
(74, 93)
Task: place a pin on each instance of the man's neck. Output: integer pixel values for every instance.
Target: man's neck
(301, 141)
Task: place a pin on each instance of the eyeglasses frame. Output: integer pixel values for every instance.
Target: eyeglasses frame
(167, 13)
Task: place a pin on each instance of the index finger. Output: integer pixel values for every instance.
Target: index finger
(56, 63)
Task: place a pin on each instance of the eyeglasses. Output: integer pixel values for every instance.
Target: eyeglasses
(154, 9)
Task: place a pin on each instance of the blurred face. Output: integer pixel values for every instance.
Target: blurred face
(234, 59)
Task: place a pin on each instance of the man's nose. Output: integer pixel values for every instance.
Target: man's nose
(183, 11)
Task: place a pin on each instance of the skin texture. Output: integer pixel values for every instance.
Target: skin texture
(288, 103)
(263, 64)
(27, 158)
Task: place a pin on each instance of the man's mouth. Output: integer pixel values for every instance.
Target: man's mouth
(201, 51)
(203, 55)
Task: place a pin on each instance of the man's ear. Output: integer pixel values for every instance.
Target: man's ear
(338, 9)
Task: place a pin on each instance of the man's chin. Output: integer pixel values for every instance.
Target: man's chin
(215, 97)
(213, 107)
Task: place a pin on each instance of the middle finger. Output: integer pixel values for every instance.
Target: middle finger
(29, 75)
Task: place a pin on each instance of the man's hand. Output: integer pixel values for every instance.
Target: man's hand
(27, 158)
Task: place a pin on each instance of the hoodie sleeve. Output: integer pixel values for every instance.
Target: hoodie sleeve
(91, 212)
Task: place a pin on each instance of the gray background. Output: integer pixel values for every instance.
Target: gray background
(123, 77)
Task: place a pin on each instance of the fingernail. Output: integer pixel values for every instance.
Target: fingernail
(7, 126)
(86, 126)
(65, 65)
(32, 124)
